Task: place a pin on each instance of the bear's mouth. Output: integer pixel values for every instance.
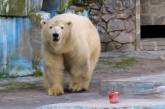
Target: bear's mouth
(55, 39)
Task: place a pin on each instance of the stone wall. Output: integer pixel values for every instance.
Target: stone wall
(116, 21)
(152, 12)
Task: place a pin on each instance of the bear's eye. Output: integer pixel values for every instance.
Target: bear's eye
(62, 27)
(50, 27)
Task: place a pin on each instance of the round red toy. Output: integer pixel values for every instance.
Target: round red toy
(113, 97)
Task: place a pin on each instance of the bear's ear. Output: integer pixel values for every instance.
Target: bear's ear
(69, 23)
(43, 22)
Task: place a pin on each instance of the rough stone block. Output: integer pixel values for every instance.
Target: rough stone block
(144, 1)
(125, 38)
(115, 19)
(145, 8)
(114, 34)
(109, 5)
(103, 47)
(127, 47)
(130, 26)
(103, 10)
(155, 2)
(95, 6)
(113, 46)
(115, 25)
(159, 20)
(146, 20)
(94, 12)
(105, 38)
(125, 14)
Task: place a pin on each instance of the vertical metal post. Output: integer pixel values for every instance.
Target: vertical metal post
(138, 26)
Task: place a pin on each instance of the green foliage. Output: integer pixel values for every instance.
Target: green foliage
(70, 2)
(7, 75)
(79, 5)
(21, 85)
(119, 63)
(37, 73)
(124, 63)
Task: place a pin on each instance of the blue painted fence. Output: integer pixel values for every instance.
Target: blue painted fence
(11, 59)
(18, 44)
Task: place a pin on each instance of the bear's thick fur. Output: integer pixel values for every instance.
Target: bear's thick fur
(71, 42)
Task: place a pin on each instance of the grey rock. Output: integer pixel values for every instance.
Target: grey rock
(159, 20)
(155, 2)
(129, 25)
(103, 10)
(118, 5)
(124, 15)
(101, 29)
(114, 20)
(102, 23)
(94, 6)
(105, 38)
(114, 34)
(116, 25)
(125, 38)
(107, 17)
(145, 8)
(127, 47)
(95, 18)
(129, 4)
(94, 12)
(113, 46)
(103, 47)
(146, 20)
(144, 1)
(109, 4)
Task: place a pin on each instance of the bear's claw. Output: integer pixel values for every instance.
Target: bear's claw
(76, 86)
(55, 91)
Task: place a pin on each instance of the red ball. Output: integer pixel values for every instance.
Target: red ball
(113, 97)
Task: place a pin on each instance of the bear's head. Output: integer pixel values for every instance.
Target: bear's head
(55, 32)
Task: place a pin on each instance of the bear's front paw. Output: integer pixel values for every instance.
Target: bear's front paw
(76, 86)
(56, 90)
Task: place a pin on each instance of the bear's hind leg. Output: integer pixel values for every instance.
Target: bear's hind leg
(88, 76)
(79, 78)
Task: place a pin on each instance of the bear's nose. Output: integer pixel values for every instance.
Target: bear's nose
(55, 35)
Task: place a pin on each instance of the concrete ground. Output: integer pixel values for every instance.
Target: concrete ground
(28, 92)
(104, 104)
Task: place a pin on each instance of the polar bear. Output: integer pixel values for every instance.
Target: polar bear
(70, 43)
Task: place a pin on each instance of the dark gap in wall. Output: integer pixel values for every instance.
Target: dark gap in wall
(51, 6)
(153, 31)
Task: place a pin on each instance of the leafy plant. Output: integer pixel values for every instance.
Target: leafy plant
(124, 63)
(37, 73)
(7, 75)
(21, 85)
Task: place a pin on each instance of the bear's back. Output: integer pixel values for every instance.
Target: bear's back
(76, 19)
